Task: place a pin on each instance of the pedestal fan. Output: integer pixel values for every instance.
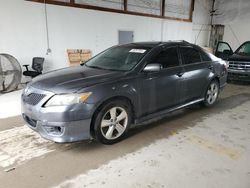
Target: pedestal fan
(10, 73)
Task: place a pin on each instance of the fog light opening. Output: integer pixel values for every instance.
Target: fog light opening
(54, 130)
(59, 129)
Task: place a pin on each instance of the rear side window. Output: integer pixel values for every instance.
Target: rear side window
(190, 55)
(167, 58)
(205, 57)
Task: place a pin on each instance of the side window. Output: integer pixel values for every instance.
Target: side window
(167, 58)
(222, 46)
(205, 57)
(190, 55)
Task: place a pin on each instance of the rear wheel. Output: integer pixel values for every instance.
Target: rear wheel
(212, 93)
(112, 122)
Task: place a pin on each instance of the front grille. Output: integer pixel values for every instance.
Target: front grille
(235, 76)
(33, 98)
(239, 65)
(238, 75)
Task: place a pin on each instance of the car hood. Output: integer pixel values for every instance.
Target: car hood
(237, 57)
(73, 79)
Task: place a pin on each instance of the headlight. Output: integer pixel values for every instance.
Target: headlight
(67, 99)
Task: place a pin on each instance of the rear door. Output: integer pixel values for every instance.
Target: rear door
(197, 70)
(223, 50)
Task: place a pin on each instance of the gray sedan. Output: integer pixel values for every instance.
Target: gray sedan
(120, 88)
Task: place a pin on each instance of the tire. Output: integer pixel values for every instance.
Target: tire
(212, 93)
(112, 122)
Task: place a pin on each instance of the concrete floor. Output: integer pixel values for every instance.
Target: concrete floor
(194, 147)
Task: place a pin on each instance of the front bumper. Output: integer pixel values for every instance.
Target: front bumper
(59, 124)
(61, 132)
(238, 75)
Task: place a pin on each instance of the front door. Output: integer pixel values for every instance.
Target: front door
(223, 50)
(160, 90)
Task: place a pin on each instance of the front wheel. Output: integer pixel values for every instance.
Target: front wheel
(212, 93)
(112, 122)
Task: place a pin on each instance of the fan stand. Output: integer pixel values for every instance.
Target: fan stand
(4, 74)
(3, 85)
(25, 80)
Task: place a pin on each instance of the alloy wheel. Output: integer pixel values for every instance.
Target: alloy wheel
(212, 93)
(114, 123)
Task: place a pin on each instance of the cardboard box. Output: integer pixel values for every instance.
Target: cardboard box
(78, 56)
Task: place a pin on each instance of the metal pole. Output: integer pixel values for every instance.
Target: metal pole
(211, 41)
(47, 28)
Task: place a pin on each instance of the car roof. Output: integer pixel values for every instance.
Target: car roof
(156, 43)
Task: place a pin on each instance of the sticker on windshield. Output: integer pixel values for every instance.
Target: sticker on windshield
(140, 51)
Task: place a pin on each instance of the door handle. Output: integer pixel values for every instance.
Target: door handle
(210, 67)
(180, 74)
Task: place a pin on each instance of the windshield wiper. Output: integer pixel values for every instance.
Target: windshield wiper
(95, 67)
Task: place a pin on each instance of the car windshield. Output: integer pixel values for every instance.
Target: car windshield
(244, 49)
(121, 58)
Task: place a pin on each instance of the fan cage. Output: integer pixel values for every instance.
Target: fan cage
(10, 73)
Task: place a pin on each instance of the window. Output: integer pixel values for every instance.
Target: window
(65, 1)
(147, 6)
(244, 49)
(178, 8)
(190, 55)
(168, 9)
(167, 58)
(222, 47)
(113, 4)
(120, 58)
(205, 57)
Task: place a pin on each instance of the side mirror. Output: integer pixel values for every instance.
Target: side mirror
(152, 67)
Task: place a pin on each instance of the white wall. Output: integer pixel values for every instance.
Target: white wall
(23, 34)
(237, 33)
(235, 15)
(201, 22)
